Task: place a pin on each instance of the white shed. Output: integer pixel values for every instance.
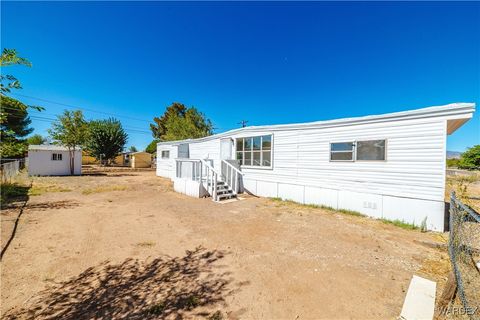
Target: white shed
(52, 160)
(389, 166)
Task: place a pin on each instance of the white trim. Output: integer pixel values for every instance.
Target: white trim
(270, 167)
(353, 151)
(453, 111)
(444, 172)
(373, 139)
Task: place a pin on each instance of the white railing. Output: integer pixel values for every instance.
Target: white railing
(211, 178)
(198, 170)
(187, 169)
(231, 175)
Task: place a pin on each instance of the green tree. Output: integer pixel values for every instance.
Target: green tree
(71, 131)
(152, 147)
(452, 163)
(14, 120)
(106, 139)
(133, 149)
(179, 122)
(36, 139)
(9, 57)
(14, 126)
(470, 159)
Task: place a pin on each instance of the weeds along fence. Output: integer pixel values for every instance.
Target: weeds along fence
(464, 250)
(10, 169)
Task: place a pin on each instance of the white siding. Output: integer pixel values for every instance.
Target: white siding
(409, 185)
(414, 166)
(40, 163)
(206, 150)
(166, 167)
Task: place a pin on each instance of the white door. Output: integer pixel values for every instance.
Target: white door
(226, 147)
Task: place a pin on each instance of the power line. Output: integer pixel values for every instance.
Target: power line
(242, 122)
(76, 107)
(51, 120)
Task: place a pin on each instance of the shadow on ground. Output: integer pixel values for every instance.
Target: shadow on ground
(43, 206)
(109, 175)
(13, 192)
(194, 285)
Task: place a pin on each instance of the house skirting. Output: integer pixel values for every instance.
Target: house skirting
(373, 205)
(189, 187)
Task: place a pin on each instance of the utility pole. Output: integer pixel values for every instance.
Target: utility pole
(243, 123)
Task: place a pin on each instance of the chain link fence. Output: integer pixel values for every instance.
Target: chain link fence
(464, 250)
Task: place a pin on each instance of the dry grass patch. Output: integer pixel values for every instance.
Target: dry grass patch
(466, 187)
(39, 189)
(436, 267)
(104, 189)
(145, 244)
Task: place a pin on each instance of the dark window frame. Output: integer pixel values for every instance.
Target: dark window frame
(56, 157)
(165, 154)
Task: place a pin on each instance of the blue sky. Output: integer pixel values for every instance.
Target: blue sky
(268, 63)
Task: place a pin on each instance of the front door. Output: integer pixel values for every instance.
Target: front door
(226, 147)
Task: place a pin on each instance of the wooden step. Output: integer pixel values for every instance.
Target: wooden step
(225, 196)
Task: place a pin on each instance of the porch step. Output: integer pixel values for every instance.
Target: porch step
(225, 196)
(223, 191)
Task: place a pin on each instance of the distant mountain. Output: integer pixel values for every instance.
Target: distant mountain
(453, 155)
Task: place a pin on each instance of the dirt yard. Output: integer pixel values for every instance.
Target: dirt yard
(124, 245)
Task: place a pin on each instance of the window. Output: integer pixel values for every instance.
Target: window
(368, 150)
(56, 157)
(341, 151)
(371, 150)
(165, 154)
(255, 151)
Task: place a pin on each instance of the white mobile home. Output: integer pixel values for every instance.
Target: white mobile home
(52, 160)
(388, 166)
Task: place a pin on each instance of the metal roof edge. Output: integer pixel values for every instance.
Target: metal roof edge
(434, 111)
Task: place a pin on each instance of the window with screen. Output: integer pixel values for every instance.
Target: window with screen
(165, 154)
(371, 150)
(56, 157)
(367, 150)
(342, 151)
(254, 151)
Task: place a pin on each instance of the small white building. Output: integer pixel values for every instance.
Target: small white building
(389, 166)
(52, 160)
